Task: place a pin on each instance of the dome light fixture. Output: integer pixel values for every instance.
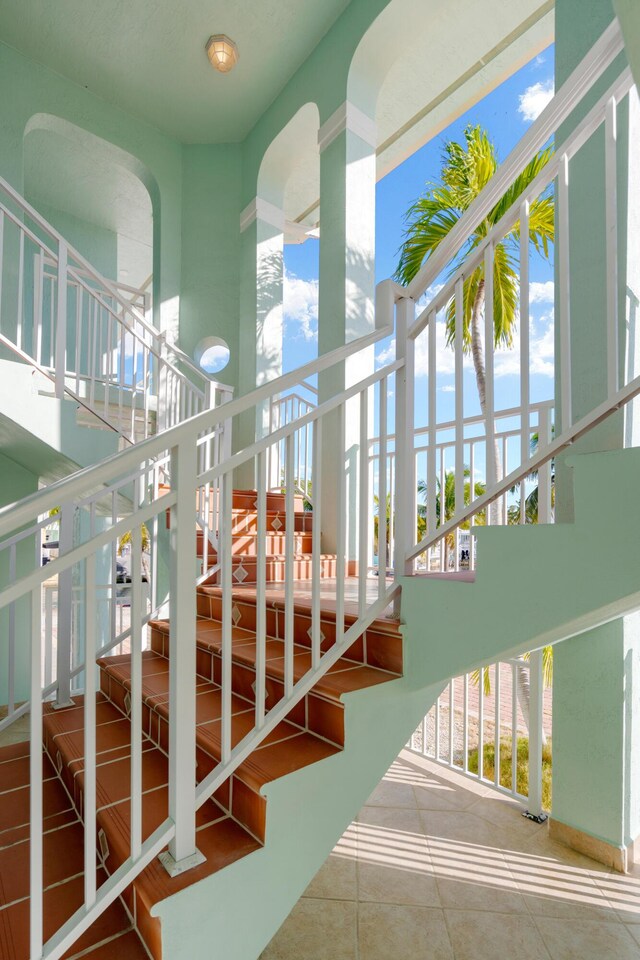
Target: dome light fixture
(222, 52)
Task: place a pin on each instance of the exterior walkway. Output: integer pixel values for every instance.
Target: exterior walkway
(437, 868)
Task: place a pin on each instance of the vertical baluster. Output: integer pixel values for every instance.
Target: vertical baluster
(437, 731)
(261, 594)
(341, 499)
(38, 267)
(1, 257)
(505, 471)
(444, 567)
(465, 724)
(12, 630)
(78, 334)
(451, 712)
(481, 725)
(89, 773)
(544, 473)
(61, 321)
(514, 728)
(226, 560)
(564, 318)
(363, 496)
(611, 238)
(20, 314)
(122, 353)
(95, 347)
(492, 478)
(65, 603)
(405, 500)
(289, 551)
(496, 731)
(525, 395)
(136, 679)
(472, 497)
(425, 750)
(392, 519)
(432, 464)
(316, 545)
(146, 360)
(35, 771)
(382, 491)
(459, 409)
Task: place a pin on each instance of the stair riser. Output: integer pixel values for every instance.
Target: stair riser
(246, 521)
(238, 799)
(376, 647)
(247, 544)
(247, 500)
(244, 572)
(318, 714)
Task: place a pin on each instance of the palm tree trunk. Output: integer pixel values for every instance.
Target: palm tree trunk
(523, 689)
(477, 354)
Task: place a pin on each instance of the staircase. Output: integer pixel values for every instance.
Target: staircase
(257, 654)
(234, 822)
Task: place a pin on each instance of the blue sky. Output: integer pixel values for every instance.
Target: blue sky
(506, 113)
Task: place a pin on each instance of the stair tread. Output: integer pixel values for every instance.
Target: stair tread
(264, 764)
(344, 676)
(302, 606)
(220, 838)
(63, 869)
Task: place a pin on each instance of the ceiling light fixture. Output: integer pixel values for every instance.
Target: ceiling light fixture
(222, 52)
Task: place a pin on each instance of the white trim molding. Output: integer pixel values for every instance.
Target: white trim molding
(351, 118)
(260, 209)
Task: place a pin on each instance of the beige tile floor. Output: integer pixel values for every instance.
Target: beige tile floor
(437, 868)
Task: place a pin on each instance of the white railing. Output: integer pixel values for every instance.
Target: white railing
(129, 489)
(86, 334)
(500, 477)
(96, 507)
(284, 410)
(492, 721)
(530, 500)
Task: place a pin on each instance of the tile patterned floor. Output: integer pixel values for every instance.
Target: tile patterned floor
(436, 868)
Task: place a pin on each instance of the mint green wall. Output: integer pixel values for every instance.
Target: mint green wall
(595, 784)
(628, 12)
(210, 297)
(97, 244)
(155, 158)
(15, 483)
(542, 584)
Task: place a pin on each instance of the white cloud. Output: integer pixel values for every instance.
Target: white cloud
(541, 350)
(300, 307)
(541, 292)
(532, 102)
(448, 388)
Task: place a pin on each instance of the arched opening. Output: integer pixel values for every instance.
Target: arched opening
(287, 278)
(95, 194)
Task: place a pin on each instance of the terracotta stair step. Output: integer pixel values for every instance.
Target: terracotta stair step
(244, 568)
(303, 745)
(220, 838)
(246, 521)
(111, 934)
(247, 500)
(246, 544)
(380, 646)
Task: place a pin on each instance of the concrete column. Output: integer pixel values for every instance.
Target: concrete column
(346, 291)
(596, 690)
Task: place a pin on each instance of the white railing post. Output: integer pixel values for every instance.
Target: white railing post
(536, 708)
(65, 610)
(182, 853)
(405, 485)
(61, 321)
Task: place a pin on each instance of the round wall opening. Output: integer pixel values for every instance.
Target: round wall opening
(212, 354)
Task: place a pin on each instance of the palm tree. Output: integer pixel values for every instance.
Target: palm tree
(466, 170)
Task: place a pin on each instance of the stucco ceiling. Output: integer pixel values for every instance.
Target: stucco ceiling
(149, 58)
